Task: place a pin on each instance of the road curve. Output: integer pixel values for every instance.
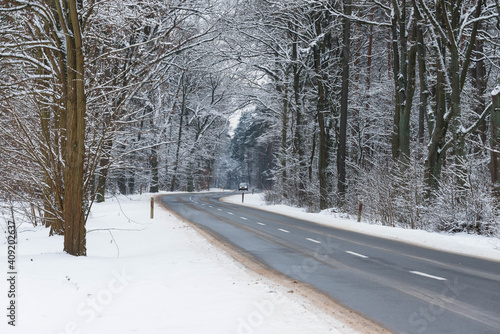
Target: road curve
(405, 288)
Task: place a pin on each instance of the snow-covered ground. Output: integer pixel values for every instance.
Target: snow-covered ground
(145, 276)
(461, 243)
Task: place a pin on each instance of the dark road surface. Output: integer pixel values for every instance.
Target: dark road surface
(405, 288)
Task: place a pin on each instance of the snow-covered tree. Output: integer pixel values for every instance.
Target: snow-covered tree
(82, 74)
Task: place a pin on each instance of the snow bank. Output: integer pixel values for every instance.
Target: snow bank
(460, 243)
(146, 276)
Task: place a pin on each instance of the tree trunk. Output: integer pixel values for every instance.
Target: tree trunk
(344, 104)
(422, 75)
(298, 141)
(437, 125)
(479, 77)
(74, 213)
(439, 128)
(323, 130)
(495, 141)
(367, 149)
(398, 81)
(456, 110)
(409, 70)
(179, 139)
(404, 59)
(103, 171)
(284, 128)
(155, 179)
(323, 151)
(312, 155)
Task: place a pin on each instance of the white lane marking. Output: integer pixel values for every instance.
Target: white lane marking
(429, 276)
(282, 230)
(261, 223)
(210, 206)
(230, 213)
(244, 218)
(202, 204)
(316, 241)
(357, 254)
(219, 209)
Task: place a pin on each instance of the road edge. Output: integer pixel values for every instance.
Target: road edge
(331, 307)
(403, 241)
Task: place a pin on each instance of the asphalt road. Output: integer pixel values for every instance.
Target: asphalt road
(405, 288)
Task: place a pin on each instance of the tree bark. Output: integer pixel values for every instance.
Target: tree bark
(298, 140)
(323, 150)
(74, 212)
(103, 171)
(422, 74)
(404, 124)
(344, 104)
(179, 139)
(495, 142)
(284, 129)
(404, 60)
(398, 81)
(155, 179)
(438, 135)
(479, 76)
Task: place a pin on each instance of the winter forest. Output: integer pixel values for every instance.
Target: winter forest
(392, 103)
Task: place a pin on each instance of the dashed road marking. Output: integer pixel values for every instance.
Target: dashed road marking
(282, 230)
(230, 213)
(357, 254)
(312, 240)
(261, 223)
(244, 218)
(428, 275)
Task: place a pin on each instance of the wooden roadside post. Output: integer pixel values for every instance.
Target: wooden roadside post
(152, 207)
(360, 209)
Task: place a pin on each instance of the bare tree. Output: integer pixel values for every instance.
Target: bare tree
(77, 66)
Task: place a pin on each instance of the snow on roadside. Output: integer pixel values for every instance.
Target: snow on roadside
(146, 276)
(460, 243)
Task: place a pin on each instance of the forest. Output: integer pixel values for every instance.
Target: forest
(321, 104)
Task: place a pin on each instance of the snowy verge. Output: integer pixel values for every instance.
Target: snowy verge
(146, 276)
(460, 243)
